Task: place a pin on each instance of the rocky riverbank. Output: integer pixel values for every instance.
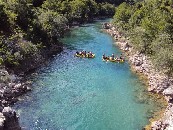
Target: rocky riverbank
(13, 85)
(157, 81)
(10, 89)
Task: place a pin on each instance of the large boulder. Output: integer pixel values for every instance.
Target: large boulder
(4, 76)
(156, 125)
(11, 119)
(169, 93)
(106, 26)
(2, 120)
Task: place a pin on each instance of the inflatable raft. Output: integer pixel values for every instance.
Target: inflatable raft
(85, 56)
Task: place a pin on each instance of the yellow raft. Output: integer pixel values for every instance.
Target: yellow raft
(85, 56)
(114, 60)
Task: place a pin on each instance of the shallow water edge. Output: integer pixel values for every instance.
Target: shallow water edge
(155, 81)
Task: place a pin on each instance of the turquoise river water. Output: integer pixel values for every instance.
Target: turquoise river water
(71, 93)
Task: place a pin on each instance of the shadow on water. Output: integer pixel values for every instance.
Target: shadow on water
(83, 38)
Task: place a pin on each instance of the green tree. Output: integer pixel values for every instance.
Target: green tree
(149, 25)
(106, 9)
(163, 57)
(83, 10)
(53, 24)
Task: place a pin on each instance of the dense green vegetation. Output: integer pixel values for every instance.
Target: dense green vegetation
(27, 26)
(149, 24)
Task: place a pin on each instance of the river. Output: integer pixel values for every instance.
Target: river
(71, 93)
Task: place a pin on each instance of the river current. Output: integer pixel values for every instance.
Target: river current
(71, 93)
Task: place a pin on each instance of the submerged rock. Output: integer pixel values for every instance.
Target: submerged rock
(166, 123)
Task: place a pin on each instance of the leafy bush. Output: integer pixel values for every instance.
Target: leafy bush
(52, 23)
(28, 26)
(149, 25)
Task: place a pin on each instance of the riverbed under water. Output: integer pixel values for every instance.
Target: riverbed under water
(71, 93)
